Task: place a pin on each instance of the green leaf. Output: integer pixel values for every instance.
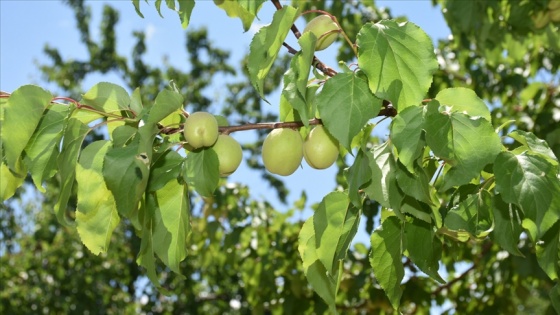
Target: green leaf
(122, 135)
(171, 225)
(319, 277)
(386, 258)
(266, 44)
(554, 295)
(424, 248)
(529, 181)
(107, 97)
(345, 105)
(535, 145)
(472, 215)
(136, 102)
(126, 174)
(245, 10)
(10, 181)
(295, 79)
(464, 101)
(72, 140)
(332, 222)
(418, 210)
(398, 60)
(136, 4)
(383, 187)
(548, 249)
(467, 144)
(22, 113)
(96, 214)
(41, 151)
(166, 103)
(185, 10)
(507, 225)
(406, 135)
(416, 184)
(166, 167)
(201, 171)
(357, 176)
(146, 255)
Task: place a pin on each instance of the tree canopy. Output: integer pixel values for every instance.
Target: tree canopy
(107, 208)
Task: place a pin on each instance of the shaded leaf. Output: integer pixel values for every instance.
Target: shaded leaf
(202, 171)
(357, 176)
(383, 186)
(126, 174)
(41, 151)
(406, 135)
(386, 258)
(507, 225)
(424, 248)
(472, 215)
(72, 140)
(171, 224)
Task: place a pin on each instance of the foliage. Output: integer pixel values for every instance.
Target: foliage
(455, 184)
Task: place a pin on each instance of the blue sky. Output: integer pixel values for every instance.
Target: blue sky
(26, 26)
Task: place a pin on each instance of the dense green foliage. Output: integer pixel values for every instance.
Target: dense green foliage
(462, 200)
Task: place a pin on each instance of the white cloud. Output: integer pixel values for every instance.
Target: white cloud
(150, 31)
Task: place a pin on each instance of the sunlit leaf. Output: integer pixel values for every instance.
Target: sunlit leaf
(96, 214)
(467, 144)
(464, 101)
(22, 113)
(107, 97)
(266, 44)
(398, 59)
(529, 181)
(345, 105)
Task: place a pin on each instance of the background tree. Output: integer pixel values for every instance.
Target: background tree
(243, 254)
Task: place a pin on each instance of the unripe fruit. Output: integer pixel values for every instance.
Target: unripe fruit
(320, 149)
(282, 151)
(320, 26)
(555, 14)
(201, 130)
(229, 154)
(541, 19)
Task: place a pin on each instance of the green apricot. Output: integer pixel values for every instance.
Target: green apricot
(201, 130)
(229, 154)
(320, 149)
(320, 26)
(282, 151)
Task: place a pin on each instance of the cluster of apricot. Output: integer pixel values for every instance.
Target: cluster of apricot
(283, 149)
(282, 152)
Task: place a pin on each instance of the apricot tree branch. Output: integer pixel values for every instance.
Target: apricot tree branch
(318, 63)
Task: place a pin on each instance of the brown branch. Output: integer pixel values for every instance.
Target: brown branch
(268, 125)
